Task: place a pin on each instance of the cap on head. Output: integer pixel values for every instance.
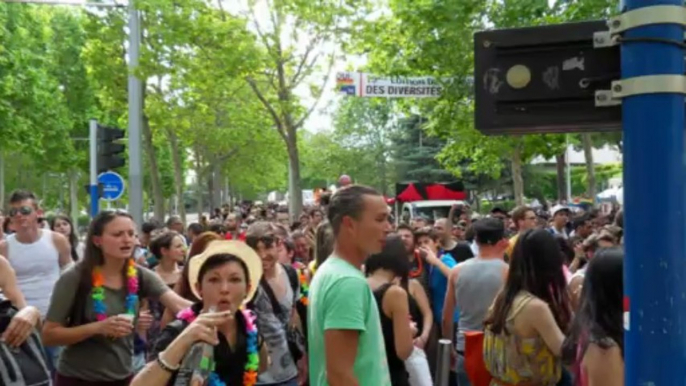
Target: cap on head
(559, 208)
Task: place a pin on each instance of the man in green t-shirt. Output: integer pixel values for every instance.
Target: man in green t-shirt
(346, 344)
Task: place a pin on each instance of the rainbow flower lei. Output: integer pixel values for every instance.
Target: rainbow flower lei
(304, 287)
(253, 361)
(98, 291)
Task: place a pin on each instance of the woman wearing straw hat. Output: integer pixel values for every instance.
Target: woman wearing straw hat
(225, 277)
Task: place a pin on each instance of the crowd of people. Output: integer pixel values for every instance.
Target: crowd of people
(342, 296)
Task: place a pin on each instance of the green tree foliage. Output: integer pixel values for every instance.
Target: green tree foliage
(61, 66)
(414, 153)
(413, 40)
(300, 40)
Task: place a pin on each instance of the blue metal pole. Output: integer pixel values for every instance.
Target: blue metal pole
(655, 230)
(95, 200)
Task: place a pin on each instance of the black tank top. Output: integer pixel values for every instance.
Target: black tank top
(415, 313)
(396, 367)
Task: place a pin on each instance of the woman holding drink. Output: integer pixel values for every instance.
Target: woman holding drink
(225, 277)
(95, 305)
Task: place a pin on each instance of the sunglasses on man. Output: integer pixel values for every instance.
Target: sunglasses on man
(23, 210)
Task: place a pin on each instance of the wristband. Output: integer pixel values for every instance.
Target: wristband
(166, 366)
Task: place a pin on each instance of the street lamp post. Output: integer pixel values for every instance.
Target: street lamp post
(135, 98)
(135, 115)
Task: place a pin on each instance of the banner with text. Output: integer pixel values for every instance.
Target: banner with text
(368, 85)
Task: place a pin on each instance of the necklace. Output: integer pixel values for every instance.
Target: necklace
(304, 287)
(98, 291)
(253, 361)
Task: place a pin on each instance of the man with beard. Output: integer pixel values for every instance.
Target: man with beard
(274, 304)
(459, 251)
(232, 226)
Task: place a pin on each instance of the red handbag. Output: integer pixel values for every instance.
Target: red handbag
(474, 359)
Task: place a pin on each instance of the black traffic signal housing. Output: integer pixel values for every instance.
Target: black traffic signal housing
(110, 152)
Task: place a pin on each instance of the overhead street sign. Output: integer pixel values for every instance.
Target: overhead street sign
(544, 80)
(112, 186)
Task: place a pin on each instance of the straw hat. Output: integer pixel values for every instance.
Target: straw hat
(227, 247)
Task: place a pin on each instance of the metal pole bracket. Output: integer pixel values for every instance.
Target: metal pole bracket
(658, 14)
(650, 84)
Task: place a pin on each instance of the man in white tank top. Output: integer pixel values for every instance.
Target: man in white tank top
(36, 255)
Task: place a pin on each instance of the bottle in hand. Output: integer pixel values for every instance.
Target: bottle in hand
(197, 364)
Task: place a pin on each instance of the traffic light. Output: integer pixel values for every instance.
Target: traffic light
(110, 153)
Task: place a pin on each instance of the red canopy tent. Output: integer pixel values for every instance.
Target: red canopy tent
(418, 191)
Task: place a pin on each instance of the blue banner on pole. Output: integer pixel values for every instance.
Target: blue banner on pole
(112, 186)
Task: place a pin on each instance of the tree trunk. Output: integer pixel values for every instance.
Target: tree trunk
(198, 184)
(561, 179)
(178, 174)
(295, 193)
(229, 194)
(74, 196)
(219, 186)
(2, 178)
(383, 173)
(590, 167)
(517, 181)
(157, 194)
(210, 190)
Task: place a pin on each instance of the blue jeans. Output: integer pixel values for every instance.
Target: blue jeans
(462, 378)
(52, 355)
(138, 362)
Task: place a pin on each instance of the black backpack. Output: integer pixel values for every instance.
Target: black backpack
(25, 365)
(297, 341)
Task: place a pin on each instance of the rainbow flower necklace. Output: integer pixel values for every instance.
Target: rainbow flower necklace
(98, 291)
(304, 287)
(253, 361)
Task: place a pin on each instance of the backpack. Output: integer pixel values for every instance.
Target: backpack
(297, 343)
(25, 365)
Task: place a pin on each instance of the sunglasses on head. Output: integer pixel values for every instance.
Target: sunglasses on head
(23, 210)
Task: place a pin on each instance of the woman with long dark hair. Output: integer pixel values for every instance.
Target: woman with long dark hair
(169, 249)
(96, 302)
(525, 325)
(383, 271)
(64, 225)
(596, 341)
(182, 286)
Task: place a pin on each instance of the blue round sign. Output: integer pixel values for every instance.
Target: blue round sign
(112, 186)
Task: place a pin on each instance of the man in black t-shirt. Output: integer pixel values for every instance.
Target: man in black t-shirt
(460, 251)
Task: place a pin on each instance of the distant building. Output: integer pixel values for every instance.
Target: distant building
(606, 155)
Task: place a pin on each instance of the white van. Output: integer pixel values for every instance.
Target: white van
(428, 209)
